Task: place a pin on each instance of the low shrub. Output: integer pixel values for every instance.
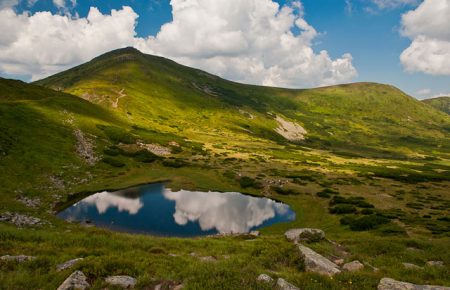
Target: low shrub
(113, 162)
(346, 220)
(369, 222)
(175, 163)
(246, 182)
(343, 209)
(145, 156)
(284, 191)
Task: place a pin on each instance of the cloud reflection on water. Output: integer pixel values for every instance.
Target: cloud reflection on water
(105, 200)
(229, 212)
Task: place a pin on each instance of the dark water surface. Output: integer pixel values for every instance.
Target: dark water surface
(154, 209)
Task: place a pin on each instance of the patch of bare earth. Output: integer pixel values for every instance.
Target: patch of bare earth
(290, 130)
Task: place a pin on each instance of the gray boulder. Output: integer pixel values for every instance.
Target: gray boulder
(411, 266)
(315, 262)
(435, 263)
(18, 259)
(305, 235)
(284, 285)
(68, 264)
(264, 278)
(353, 266)
(76, 281)
(391, 284)
(125, 282)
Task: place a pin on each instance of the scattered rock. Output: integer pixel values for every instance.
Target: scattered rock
(284, 285)
(264, 278)
(208, 259)
(353, 266)
(391, 284)
(411, 266)
(21, 220)
(305, 235)
(339, 262)
(29, 202)
(315, 262)
(435, 263)
(77, 280)
(170, 285)
(68, 264)
(155, 149)
(18, 259)
(125, 282)
(290, 130)
(254, 233)
(85, 147)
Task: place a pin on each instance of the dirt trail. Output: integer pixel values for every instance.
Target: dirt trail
(121, 93)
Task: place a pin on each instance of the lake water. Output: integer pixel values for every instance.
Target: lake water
(157, 210)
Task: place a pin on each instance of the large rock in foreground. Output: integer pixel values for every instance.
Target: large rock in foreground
(305, 235)
(77, 280)
(391, 284)
(317, 263)
(285, 285)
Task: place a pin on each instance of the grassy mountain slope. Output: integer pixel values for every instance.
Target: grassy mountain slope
(439, 103)
(158, 93)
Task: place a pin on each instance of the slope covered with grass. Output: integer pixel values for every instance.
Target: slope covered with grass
(365, 118)
(439, 103)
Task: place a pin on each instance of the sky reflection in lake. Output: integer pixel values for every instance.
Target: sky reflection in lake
(154, 209)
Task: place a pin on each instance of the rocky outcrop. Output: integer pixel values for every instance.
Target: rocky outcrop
(264, 278)
(125, 282)
(18, 259)
(305, 235)
(85, 147)
(68, 264)
(391, 284)
(353, 266)
(290, 130)
(77, 280)
(21, 220)
(284, 285)
(29, 202)
(315, 262)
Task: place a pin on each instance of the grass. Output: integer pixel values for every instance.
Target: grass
(369, 147)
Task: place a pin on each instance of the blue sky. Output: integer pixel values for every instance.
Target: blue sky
(369, 33)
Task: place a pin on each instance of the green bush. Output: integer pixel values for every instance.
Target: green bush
(117, 134)
(246, 182)
(323, 194)
(346, 220)
(145, 156)
(343, 209)
(175, 163)
(113, 162)
(367, 211)
(284, 191)
(112, 151)
(368, 223)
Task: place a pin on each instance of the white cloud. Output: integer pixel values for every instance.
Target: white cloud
(428, 27)
(43, 44)
(423, 92)
(249, 41)
(391, 4)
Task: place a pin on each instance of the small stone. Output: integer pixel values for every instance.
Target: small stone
(77, 280)
(339, 262)
(305, 235)
(353, 266)
(68, 264)
(284, 285)
(435, 263)
(264, 278)
(391, 284)
(411, 266)
(208, 259)
(254, 233)
(125, 282)
(18, 259)
(178, 287)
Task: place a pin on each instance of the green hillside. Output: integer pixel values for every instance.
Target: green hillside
(366, 118)
(439, 103)
(126, 118)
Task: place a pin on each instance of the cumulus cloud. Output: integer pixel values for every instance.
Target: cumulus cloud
(8, 3)
(250, 41)
(428, 28)
(42, 44)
